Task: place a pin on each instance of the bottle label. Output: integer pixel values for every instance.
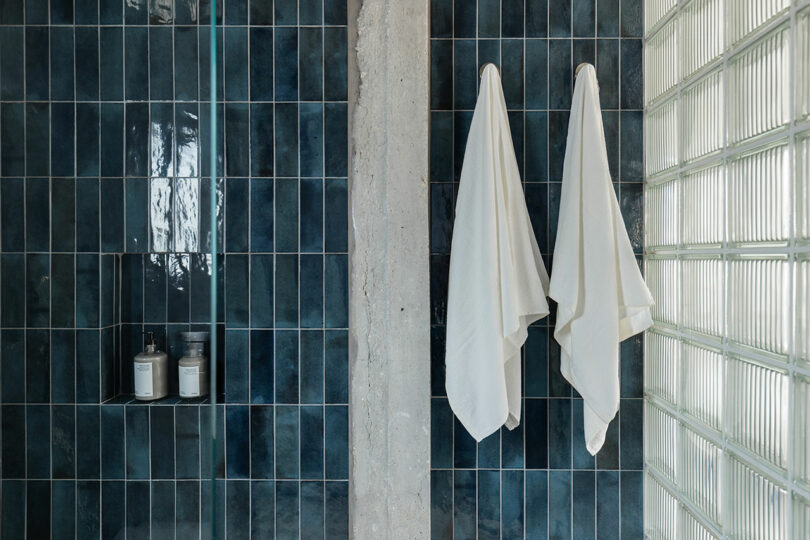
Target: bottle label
(189, 381)
(143, 380)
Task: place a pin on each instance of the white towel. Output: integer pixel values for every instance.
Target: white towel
(498, 281)
(601, 295)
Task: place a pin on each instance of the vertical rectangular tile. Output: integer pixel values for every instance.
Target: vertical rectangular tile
(464, 500)
(559, 504)
(489, 504)
(287, 510)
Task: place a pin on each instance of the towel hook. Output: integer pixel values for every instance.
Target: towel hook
(579, 67)
(485, 64)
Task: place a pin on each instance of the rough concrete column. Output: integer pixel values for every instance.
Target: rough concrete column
(389, 298)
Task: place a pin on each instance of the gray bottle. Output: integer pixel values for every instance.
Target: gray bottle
(151, 372)
(192, 369)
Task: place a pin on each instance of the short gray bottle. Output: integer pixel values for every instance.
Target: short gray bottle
(151, 372)
(193, 367)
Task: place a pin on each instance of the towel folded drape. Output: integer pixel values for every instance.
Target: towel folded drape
(498, 282)
(601, 295)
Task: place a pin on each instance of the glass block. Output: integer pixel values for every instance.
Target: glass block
(746, 16)
(803, 64)
(661, 137)
(690, 528)
(703, 201)
(758, 291)
(802, 296)
(801, 429)
(702, 117)
(759, 506)
(660, 511)
(702, 27)
(662, 214)
(660, 61)
(801, 518)
(663, 280)
(758, 409)
(802, 152)
(661, 365)
(660, 441)
(758, 96)
(702, 294)
(654, 11)
(702, 391)
(700, 472)
(759, 196)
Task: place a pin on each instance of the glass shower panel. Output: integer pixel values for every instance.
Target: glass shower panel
(745, 16)
(661, 138)
(801, 429)
(655, 11)
(802, 188)
(759, 185)
(702, 29)
(702, 117)
(700, 470)
(661, 373)
(803, 64)
(703, 386)
(661, 229)
(759, 506)
(802, 295)
(690, 528)
(663, 279)
(660, 511)
(703, 203)
(758, 97)
(702, 294)
(661, 441)
(759, 289)
(661, 60)
(801, 518)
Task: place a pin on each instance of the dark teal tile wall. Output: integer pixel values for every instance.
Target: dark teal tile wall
(104, 197)
(537, 481)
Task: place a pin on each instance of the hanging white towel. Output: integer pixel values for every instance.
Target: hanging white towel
(498, 281)
(601, 295)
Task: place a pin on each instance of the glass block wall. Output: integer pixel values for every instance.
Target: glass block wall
(727, 225)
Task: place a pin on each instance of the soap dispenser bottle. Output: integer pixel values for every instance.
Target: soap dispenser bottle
(193, 367)
(151, 372)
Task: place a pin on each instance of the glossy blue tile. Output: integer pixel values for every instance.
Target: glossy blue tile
(312, 442)
(237, 370)
(632, 366)
(312, 366)
(285, 65)
(536, 18)
(584, 18)
(237, 509)
(12, 212)
(336, 420)
(286, 284)
(261, 47)
(336, 215)
(517, 129)
(112, 139)
(311, 64)
(261, 291)
(464, 499)
(607, 72)
(512, 501)
(287, 442)
(559, 433)
(464, 447)
(112, 215)
(631, 202)
(261, 214)
(337, 366)
(584, 510)
(632, 439)
(88, 458)
(607, 509)
(261, 442)
(286, 366)
(632, 506)
(441, 62)
(111, 66)
(336, 129)
(261, 131)
(560, 85)
(488, 12)
(185, 62)
(536, 415)
(557, 129)
(237, 197)
(336, 308)
(178, 287)
(441, 434)
(161, 74)
(87, 147)
(632, 23)
(441, 504)
(261, 366)
(37, 77)
(312, 506)
(37, 291)
(237, 314)
(38, 433)
(136, 12)
(236, 12)
(312, 140)
(559, 18)
(582, 459)
(437, 367)
(63, 368)
(512, 18)
(162, 516)
(439, 271)
(88, 509)
(335, 65)
(12, 386)
(137, 139)
(632, 153)
(37, 214)
(11, 12)
(161, 443)
(632, 80)
(536, 361)
(62, 83)
(137, 442)
(12, 145)
(187, 442)
(312, 214)
(512, 75)
(161, 138)
(13, 509)
(310, 12)
(87, 65)
(559, 504)
(137, 510)
(286, 139)
(37, 366)
(11, 69)
(489, 50)
(87, 361)
(610, 126)
(63, 500)
(287, 510)
(63, 217)
(87, 291)
(236, 64)
(187, 511)
(465, 74)
(512, 442)
(38, 509)
(536, 74)
(489, 504)
(13, 290)
(583, 50)
(63, 443)
(237, 441)
(13, 451)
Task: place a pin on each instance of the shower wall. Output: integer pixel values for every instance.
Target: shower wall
(104, 137)
(727, 378)
(537, 481)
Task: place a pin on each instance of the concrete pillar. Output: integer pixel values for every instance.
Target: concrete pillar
(389, 285)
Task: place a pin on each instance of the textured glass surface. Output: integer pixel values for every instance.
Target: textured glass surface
(759, 302)
(702, 394)
(801, 518)
(801, 429)
(802, 295)
(703, 206)
(700, 474)
(661, 136)
(758, 95)
(758, 507)
(690, 528)
(702, 294)
(661, 370)
(663, 280)
(758, 409)
(660, 511)
(661, 441)
(759, 185)
(702, 117)
(746, 16)
(661, 228)
(802, 150)
(661, 61)
(655, 10)
(702, 31)
(803, 63)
